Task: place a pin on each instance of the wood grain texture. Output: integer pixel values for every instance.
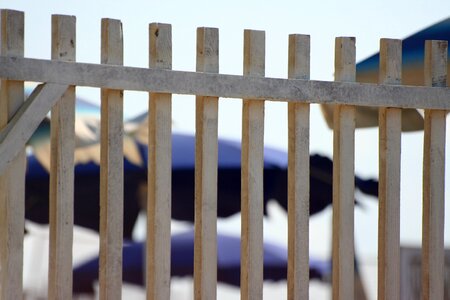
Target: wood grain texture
(220, 85)
(111, 169)
(390, 120)
(205, 249)
(12, 180)
(343, 177)
(159, 170)
(14, 136)
(252, 173)
(298, 174)
(62, 139)
(434, 177)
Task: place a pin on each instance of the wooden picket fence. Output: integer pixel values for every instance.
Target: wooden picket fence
(60, 75)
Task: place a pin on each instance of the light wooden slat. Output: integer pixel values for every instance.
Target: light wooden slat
(25, 121)
(12, 181)
(390, 120)
(205, 251)
(227, 86)
(62, 168)
(252, 173)
(343, 177)
(111, 169)
(159, 170)
(298, 174)
(434, 177)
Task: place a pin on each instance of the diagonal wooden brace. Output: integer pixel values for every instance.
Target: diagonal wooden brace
(14, 136)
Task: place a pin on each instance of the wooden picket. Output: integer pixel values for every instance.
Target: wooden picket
(12, 183)
(389, 188)
(62, 168)
(60, 75)
(252, 173)
(206, 156)
(343, 174)
(298, 175)
(111, 169)
(159, 170)
(434, 178)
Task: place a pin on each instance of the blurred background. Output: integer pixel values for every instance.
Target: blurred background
(323, 21)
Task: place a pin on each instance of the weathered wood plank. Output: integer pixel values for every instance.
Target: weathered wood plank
(205, 251)
(25, 121)
(62, 168)
(434, 177)
(252, 173)
(298, 175)
(343, 177)
(390, 120)
(12, 181)
(227, 86)
(159, 170)
(111, 169)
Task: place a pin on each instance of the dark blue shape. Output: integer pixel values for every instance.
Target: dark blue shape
(87, 181)
(86, 194)
(182, 262)
(412, 51)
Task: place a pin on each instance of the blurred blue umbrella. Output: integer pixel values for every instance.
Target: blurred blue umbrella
(182, 263)
(87, 175)
(87, 178)
(413, 55)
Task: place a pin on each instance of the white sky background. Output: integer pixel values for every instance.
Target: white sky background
(322, 20)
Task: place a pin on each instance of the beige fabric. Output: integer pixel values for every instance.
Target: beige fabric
(87, 145)
(366, 116)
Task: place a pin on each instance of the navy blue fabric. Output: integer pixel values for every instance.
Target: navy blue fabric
(229, 154)
(413, 46)
(86, 195)
(87, 181)
(182, 262)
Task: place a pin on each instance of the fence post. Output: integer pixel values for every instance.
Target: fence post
(111, 169)
(390, 120)
(12, 181)
(62, 168)
(343, 177)
(434, 177)
(159, 170)
(298, 175)
(205, 250)
(252, 197)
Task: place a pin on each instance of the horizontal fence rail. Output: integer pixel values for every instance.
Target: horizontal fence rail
(59, 76)
(226, 86)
